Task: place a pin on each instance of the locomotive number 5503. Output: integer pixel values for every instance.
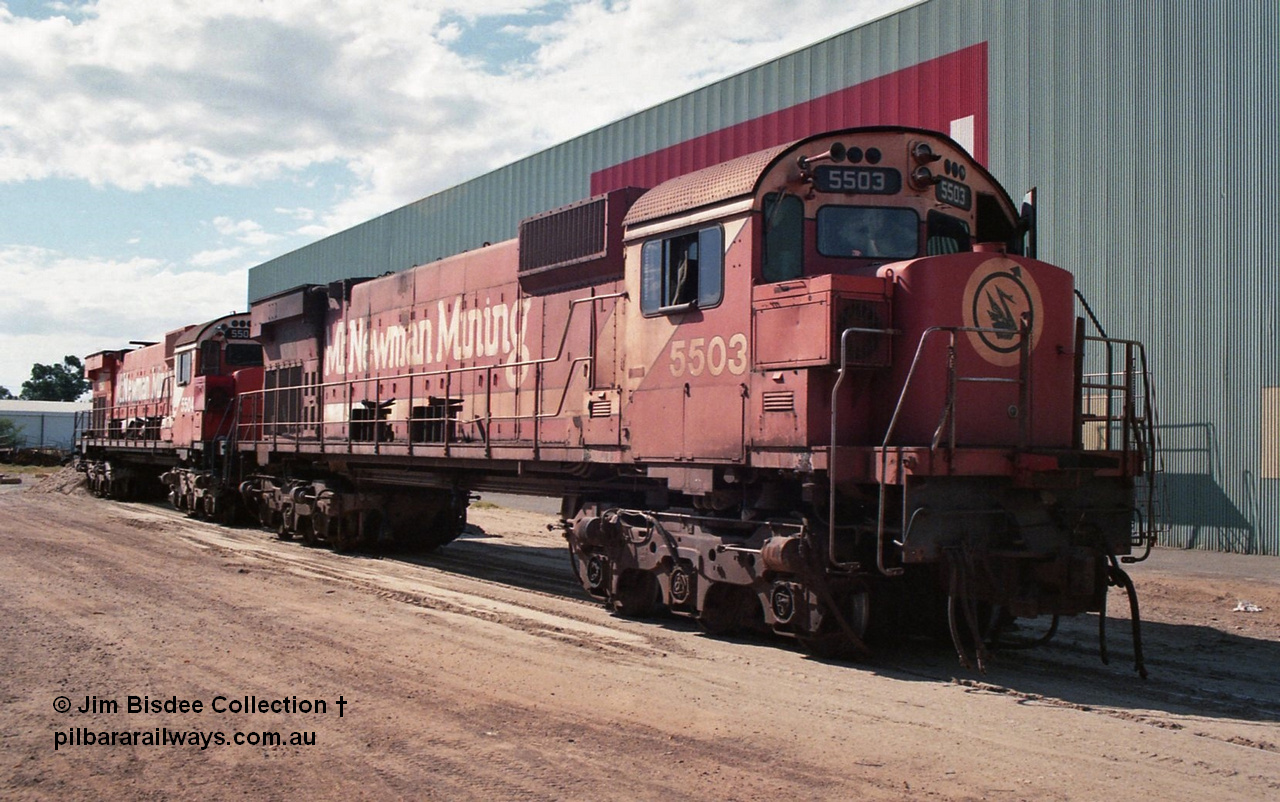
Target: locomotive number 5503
(698, 355)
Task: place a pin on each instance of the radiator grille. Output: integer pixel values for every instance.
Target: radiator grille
(571, 235)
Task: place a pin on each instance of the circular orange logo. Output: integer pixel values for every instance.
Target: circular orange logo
(996, 298)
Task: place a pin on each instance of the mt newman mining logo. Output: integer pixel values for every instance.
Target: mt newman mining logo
(999, 295)
(457, 333)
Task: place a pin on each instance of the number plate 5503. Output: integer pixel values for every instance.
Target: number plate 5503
(700, 355)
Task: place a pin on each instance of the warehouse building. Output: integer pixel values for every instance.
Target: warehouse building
(1144, 125)
(43, 424)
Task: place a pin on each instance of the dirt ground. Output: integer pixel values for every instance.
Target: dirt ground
(482, 671)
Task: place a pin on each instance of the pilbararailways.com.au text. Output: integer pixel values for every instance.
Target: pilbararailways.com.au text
(163, 736)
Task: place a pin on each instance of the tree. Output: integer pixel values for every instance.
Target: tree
(5, 395)
(9, 434)
(65, 382)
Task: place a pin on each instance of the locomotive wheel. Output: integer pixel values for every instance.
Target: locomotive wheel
(344, 533)
(360, 530)
(638, 595)
(305, 530)
(832, 639)
(443, 529)
(321, 529)
(266, 517)
(281, 521)
(228, 513)
(727, 609)
(596, 576)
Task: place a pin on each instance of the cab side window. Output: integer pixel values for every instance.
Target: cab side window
(682, 272)
(184, 368)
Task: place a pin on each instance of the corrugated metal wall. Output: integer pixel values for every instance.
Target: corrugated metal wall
(1149, 127)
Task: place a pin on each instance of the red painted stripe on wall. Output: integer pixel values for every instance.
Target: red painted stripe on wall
(933, 94)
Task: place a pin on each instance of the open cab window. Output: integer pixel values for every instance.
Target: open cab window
(682, 272)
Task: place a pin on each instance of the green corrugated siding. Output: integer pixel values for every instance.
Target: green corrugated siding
(1147, 131)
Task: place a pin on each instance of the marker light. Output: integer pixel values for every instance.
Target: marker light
(923, 154)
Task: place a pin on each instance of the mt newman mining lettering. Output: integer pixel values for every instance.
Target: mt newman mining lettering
(458, 333)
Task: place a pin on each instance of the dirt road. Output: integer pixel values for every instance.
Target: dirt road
(482, 672)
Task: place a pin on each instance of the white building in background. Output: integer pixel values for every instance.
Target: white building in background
(44, 424)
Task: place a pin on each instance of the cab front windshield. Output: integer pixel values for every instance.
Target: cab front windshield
(868, 232)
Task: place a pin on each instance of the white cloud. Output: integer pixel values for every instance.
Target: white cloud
(301, 214)
(139, 94)
(55, 304)
(245, 231)
(217, 256)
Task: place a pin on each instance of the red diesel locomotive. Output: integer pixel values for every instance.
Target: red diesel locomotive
(817, 389)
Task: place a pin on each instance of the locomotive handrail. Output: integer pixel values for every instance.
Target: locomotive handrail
(100, 419)
(948, 413)
(915, 362)
(835, 411)
(1138, 433)
(537, 415)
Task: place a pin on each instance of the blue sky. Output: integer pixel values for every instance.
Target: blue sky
(152, 151)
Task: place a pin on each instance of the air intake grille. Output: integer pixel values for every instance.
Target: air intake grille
(779, 401)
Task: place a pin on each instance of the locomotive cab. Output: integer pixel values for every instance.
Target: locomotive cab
(164, 404)
(871, 245)
(208, 361)
(892, 197)
(763, 279)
